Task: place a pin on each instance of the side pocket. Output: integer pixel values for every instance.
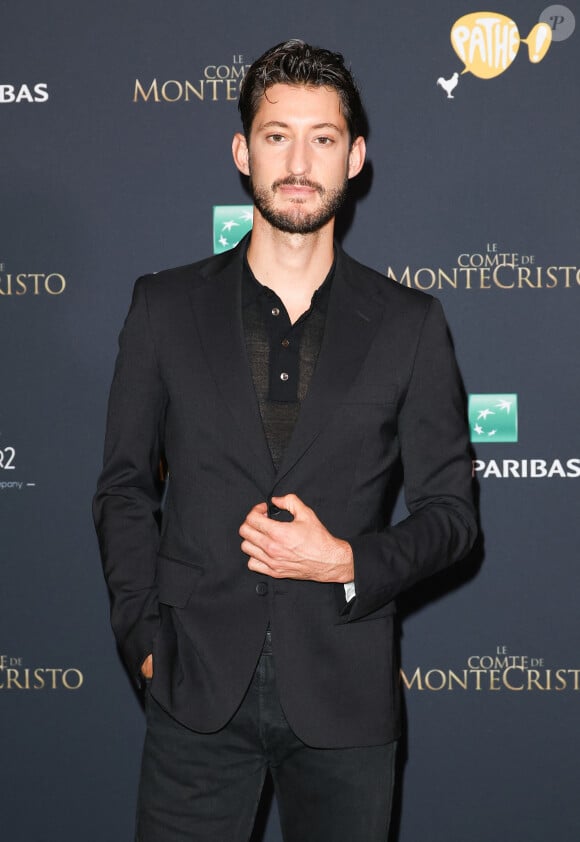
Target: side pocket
(176, 581)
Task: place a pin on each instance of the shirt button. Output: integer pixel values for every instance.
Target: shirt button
(261, 588)
(275, 311)
(285, 343)
(284, 376)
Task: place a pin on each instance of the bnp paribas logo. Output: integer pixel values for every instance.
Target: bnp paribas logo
(493, 418)
(230, 224)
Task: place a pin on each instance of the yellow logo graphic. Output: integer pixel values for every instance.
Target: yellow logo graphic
(487, 43)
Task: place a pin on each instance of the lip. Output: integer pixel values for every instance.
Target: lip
(296, 190)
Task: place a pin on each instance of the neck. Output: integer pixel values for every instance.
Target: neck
(293, 265)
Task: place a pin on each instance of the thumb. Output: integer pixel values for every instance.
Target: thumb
(292, 503)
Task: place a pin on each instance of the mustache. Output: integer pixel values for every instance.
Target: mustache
(298, 181)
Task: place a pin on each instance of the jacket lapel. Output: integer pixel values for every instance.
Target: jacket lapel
(351, 322)
(217, 309)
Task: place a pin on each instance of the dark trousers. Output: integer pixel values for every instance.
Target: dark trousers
(206, 787)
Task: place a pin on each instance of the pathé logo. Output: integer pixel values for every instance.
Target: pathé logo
(488, 42)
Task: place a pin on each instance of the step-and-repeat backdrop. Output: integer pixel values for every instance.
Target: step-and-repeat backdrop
(116, 121)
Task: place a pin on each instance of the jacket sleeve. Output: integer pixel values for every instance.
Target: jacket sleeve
(127, 503)
(433, 435)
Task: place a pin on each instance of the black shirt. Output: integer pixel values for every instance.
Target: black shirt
(282, 355)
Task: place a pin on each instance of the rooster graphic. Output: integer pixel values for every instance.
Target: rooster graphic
(449, 85)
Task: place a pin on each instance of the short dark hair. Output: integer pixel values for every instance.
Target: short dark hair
(296, 63)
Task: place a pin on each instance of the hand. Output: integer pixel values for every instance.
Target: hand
(301, 549)
(147, 667)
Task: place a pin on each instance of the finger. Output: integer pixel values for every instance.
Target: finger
(259, 508)
(262, 523)
(248, 531)
(292, 503)
(257, 511)
(147, 667)
(258, 566)
(255, 551)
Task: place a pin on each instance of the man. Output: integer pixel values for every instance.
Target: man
(281, 383)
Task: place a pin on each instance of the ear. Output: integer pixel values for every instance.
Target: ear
(356, 156)
(241, 153)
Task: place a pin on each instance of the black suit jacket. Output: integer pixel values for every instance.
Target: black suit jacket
(385, 388)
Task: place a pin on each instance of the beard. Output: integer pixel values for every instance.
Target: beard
(293, 220)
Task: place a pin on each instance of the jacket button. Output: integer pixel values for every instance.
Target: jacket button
(261, 588)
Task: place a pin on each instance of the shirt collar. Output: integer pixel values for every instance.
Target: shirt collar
(253, 290)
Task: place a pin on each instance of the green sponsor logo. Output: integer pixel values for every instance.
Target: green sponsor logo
(230, 224)
(493, 418)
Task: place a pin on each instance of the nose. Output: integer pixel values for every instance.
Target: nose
(298, 162)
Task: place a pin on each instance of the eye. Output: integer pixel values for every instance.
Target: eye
(276, 138)
(324, 140)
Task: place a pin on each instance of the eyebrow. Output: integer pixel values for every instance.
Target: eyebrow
(280, 125)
